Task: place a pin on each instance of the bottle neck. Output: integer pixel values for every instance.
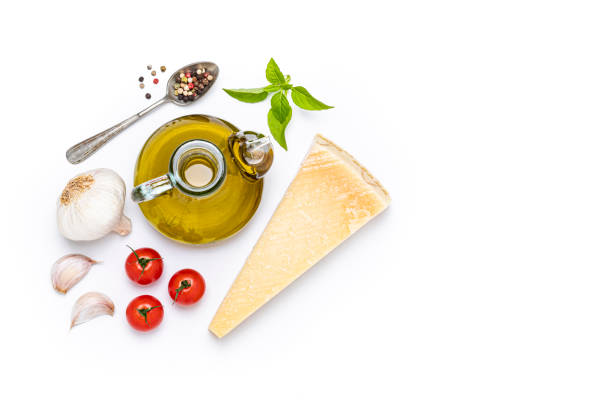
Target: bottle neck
(198, 168)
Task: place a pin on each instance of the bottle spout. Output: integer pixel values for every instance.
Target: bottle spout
(252, 152)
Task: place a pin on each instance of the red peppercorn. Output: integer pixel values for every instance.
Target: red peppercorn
(155, 81)
(188, 75)
(190, 85)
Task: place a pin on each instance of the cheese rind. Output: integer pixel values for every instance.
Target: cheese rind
(331, 197)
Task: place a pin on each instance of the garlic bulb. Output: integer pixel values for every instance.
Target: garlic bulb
(69, 270)
(91, 206)
(90, 306)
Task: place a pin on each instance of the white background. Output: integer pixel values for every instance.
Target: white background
(485, 284)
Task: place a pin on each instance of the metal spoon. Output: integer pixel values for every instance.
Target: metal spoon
(87, 147)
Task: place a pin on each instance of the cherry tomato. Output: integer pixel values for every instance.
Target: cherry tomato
(144, 313)
(186, 287)
(144, 266)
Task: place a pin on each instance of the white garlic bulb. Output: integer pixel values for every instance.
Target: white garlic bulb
(91, 206)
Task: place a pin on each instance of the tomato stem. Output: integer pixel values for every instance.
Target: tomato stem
(145, 312)
(142, 261)
(184, 285)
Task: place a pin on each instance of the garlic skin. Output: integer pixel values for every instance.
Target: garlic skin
(69, 270)
(90, 306)
(91, 206)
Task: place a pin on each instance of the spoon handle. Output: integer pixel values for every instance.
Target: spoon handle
(81, 151)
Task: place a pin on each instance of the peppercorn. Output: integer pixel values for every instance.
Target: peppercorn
(141, 86)
(153, 73)
(163, 68)
(155, 81)
(149, 67)
(190, 85)
(140, 79)
(148, 96)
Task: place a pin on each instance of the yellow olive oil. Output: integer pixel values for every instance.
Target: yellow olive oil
(197, 220)
(198, 174)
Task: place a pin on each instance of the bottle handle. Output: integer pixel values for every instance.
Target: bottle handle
(152, 188)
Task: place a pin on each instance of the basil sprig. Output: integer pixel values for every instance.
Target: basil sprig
(280, 112)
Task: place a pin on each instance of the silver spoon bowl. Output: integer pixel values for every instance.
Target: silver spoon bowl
(81, 151)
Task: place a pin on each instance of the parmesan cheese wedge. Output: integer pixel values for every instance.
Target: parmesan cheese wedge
(331, 197)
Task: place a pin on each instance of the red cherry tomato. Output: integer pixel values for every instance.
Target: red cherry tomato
(144, 266)
(144, 313)
(186, 287)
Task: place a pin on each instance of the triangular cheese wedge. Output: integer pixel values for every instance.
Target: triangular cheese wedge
(331, 197)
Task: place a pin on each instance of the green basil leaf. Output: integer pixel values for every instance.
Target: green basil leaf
(272, 88)
(280, 106)
(277, 87)
(250, 95)
(305, 100)
(273, 73)
(278, 128)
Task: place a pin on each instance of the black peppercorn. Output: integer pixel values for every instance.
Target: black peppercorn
(180, 97)
(140, 79)
(148, 96)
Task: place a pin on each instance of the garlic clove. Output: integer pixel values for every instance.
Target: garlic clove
(124, 227)
(69, 270)
(90, 306)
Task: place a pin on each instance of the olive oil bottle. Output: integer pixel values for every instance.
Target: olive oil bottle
(199, 179)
